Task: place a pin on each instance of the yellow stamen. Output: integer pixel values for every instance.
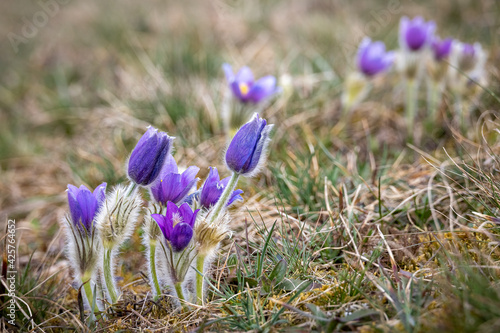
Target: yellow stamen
(244, 88)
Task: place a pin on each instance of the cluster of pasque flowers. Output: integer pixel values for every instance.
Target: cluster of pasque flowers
(183, 225)
(443, 62)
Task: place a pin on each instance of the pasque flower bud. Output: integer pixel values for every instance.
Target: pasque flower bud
(148, 156)
(248, 148)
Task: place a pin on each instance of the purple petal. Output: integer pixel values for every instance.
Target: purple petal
(262, 88)
(189, 175)
(165, 226)
(193, 218)
(72, 190)
(181, 236)
(169, 166)
(148, 156)
(441, 48)
(235, 196)
(223, 183)
(88, 206)
(185, 190)
(415, 37)
(244, 75)
(100, 194)
(244, 151)
(213, 175)
(170, 188)
(468, 50)
(228, 72)
(186, 213)
(363, 46)
(259, 149)
(416, 34)
(172, 209)
(236, 89)
(371, 57)
(74, 207)
(211, 189)
(403, 27)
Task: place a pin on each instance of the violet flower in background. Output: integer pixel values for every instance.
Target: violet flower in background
(84, 204)
(468, 57)
(212, 190)
(171, 185)
(441, 48)
(437, 67)
(467, 62)
(415, 34)
(148, 156)
(372, 57)
(245, 88)
(177, 225)
(247, 150)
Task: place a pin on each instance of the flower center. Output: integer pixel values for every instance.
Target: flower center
(176, 218)
(244, 88)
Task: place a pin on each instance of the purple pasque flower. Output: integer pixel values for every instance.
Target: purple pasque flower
(177, 225)
(372, 57)
(469, 56)
(441, 48)
(212, 190)
(247, 150)
(84, 204)
(148, 156)
(171, 185)
(245, 88)
(416, 34)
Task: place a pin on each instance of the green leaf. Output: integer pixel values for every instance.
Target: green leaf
(292, 284)
(279, 271)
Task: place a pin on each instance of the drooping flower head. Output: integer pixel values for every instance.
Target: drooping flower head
(247, 150)
(416, 34)
(148, 156)
(84, 204)
(171, 185)
(441, 48)
(177, 225)
(372, 57)
(245, 88)
(212, 190)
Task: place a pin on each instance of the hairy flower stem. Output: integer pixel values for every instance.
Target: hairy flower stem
(130, 189)
(87, 288)
(224, 198)
(226, 112)
(460, 112)
(433, 99)
(152, 265)
(108, 275)
(216, 211)
(200, 263)
(411, 103)
(180, 295)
